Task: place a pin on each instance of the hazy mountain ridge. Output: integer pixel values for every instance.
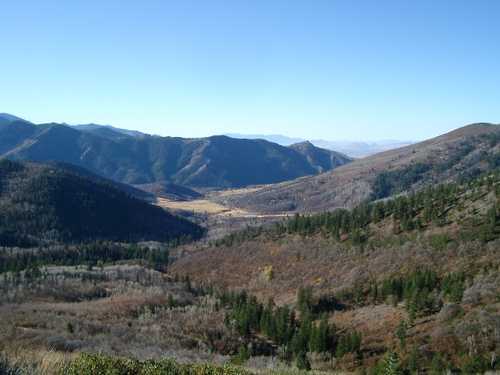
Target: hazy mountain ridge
(216, 161)
(323, 160)
(354, 149)
(447, 157)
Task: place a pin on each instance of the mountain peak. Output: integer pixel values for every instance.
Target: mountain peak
(10, 118)
(303, 144)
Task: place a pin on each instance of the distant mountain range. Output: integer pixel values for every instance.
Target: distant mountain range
(457, 155)
(355, 149)
(136, 158)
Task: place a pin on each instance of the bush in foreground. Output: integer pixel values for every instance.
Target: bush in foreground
(96, 364)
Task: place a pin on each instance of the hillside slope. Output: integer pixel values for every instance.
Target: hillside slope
(460, 153)
(217, 161)
(416, 276)
(323, 160)
(44, 204)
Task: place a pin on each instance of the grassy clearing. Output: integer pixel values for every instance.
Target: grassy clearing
(200, 206)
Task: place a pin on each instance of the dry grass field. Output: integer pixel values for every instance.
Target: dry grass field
(200, 206)
(217, 218)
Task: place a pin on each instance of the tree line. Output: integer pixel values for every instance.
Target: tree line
(91, 254)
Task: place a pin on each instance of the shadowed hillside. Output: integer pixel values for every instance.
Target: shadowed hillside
(44, 204)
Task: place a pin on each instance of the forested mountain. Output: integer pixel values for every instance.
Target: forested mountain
(412, 279)
(459, 154)
(217, 161)
(136, 192)
(46, 204)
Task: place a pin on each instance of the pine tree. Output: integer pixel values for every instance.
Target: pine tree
(320, 337)
(302, 337)
(304, 300)
(413, 360)
(401, 333)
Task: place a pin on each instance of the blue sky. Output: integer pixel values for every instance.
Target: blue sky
(360, 70)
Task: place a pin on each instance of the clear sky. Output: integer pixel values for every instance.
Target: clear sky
(360, 70)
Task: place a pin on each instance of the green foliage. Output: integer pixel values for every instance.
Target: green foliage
(439, 241)
(401, 333)
(421, 290)
(89, 253)
(393, 182)
(322, 336)
(302, 361)
(476, 365)
(413, 288)
(305, 300)
(243, 355)
(247, 316)
(453, 286)
(239, 237)
(96, 364)
(348, 343)
(488, 230)
(413, 361)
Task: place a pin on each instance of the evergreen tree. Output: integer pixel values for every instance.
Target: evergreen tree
(401, 332)
(413, 360)
(304, 300)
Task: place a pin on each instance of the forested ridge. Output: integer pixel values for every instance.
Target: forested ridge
(432, 207)
(43, 204)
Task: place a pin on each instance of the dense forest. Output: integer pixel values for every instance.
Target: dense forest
(89, 254)
(44, 204)
(309, 332)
